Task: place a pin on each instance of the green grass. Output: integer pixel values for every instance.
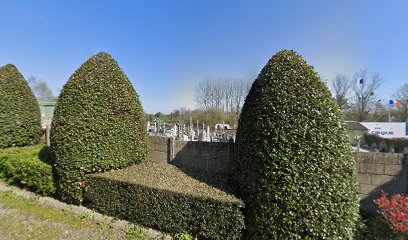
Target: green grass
(137, 232)
(183, 236)
(22, 218)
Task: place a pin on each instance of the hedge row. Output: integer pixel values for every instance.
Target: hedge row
(19, 110)
(98, 125)
(397, 143)
(163, 197)
(29, 167)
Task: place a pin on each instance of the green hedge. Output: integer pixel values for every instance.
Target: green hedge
(29, 167)
(293, 162)
(20, 122)
(98, 125)
(162, 197)
(397, 143)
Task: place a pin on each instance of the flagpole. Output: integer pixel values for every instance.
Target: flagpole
(389, 113)
(389, 109)
(390, 103)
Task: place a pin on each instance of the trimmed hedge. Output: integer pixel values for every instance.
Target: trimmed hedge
(20, 120)
(29, 167)
(98, 125)
(293, 163)
(397, 143)
(161, 196)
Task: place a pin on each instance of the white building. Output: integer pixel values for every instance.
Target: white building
(387, 129)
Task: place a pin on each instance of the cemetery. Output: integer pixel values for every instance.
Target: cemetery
(286, 172)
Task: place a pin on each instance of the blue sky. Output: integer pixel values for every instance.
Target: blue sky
(167, 47)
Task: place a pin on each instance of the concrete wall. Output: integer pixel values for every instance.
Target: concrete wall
(208, 156)
(380, 171)
(159, 149)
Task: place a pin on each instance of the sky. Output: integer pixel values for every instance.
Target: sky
(166, 46)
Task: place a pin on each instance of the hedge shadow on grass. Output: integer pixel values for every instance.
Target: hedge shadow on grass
(221, 181)
(45, 156)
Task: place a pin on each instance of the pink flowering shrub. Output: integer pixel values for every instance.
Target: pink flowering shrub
(394, 210)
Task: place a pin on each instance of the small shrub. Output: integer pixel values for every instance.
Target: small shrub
(98, 125)
(137, 233)
(375, 228)
(106, 224)
(28, 167)
(86, 216)
(160, 196)
(20, 121)
(394, 210)
(293, 162)
(183, 236)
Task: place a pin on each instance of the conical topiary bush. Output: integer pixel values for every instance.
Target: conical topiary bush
(98, 124)
(294, 166)
(20, 119)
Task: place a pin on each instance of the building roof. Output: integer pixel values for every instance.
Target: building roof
(353, 125)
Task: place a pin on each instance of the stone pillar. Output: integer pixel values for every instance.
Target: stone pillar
(47, 135)
(171, 150)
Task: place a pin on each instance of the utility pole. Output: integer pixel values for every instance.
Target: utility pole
(362, 100)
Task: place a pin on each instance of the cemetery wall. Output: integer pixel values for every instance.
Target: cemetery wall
(208, 156)
(159, 149)
(380, 171)
(375, 171)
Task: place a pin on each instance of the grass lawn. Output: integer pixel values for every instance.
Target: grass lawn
(28, 218)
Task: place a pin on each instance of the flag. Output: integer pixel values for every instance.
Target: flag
(395, 103)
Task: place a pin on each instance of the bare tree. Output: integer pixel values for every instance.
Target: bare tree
(341, 87)
(203, 95)
(224, 94)
(228, 86)
(379, 112)
(218, 93)
(401, 94)
(241, 90)
(40, 89)
(364, 87)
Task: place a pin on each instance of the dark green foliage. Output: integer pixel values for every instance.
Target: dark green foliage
(98, 125)
(20, 122)
(28, 167)
(163, 197)
(375, 228)
(294, 166)
(374, 140)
